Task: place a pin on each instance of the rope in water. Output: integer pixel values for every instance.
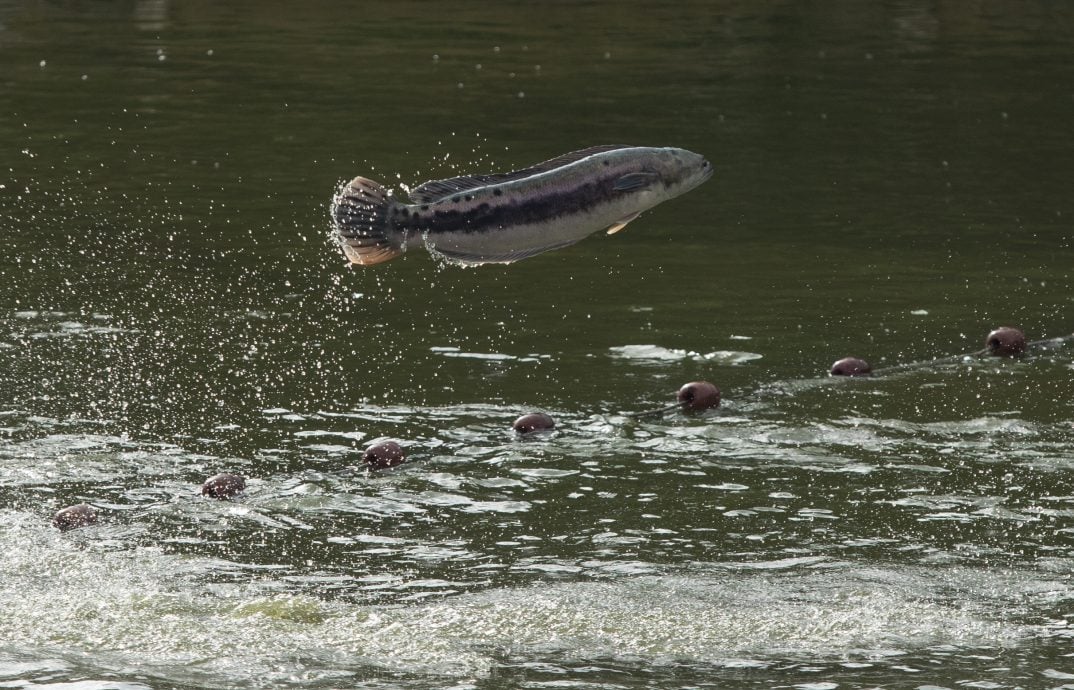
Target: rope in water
(1002, 342)
(988, 351)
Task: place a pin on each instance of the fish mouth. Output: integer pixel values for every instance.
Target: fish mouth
(706, 170)
(703, 173)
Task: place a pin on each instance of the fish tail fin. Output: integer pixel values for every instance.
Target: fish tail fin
(362, 211)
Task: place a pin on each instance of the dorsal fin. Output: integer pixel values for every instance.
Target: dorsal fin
(434, 190)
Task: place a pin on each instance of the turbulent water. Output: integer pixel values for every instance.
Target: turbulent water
(892, 182)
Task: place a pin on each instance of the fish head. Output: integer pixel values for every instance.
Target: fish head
(652, 175)
(680, 170)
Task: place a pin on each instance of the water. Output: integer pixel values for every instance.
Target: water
(892, 182)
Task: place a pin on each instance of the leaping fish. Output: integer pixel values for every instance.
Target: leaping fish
(506, 217)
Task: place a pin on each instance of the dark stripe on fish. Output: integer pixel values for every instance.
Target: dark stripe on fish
(506, 211)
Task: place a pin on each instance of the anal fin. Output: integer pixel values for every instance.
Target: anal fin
(476, 257)
(622, 223)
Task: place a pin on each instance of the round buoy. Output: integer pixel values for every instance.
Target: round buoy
(1005, 342)
(223, 485)
(851, 366)
(381, 456)
(699, 395)
(74, 516)
(535, 421)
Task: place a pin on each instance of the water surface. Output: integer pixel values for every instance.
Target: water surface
(892, 182)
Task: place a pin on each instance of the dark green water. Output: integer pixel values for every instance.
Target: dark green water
(892, 181)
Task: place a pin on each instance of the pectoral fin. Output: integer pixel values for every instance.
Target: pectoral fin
(622, 222)
(634, 181)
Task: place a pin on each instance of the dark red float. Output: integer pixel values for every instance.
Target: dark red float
(71, 517)
(381, 456)
(535, 421)
(1005, 342)
(699, 395)
(223, 485)
(851, 366)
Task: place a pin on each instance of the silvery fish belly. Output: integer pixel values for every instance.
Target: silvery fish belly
(506, 217)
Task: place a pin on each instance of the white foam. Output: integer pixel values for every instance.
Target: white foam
(145, 611)
(655, 354)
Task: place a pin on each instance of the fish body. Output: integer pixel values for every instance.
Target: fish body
(506, 217)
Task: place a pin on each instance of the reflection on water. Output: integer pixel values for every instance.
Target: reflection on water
(891, 182)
